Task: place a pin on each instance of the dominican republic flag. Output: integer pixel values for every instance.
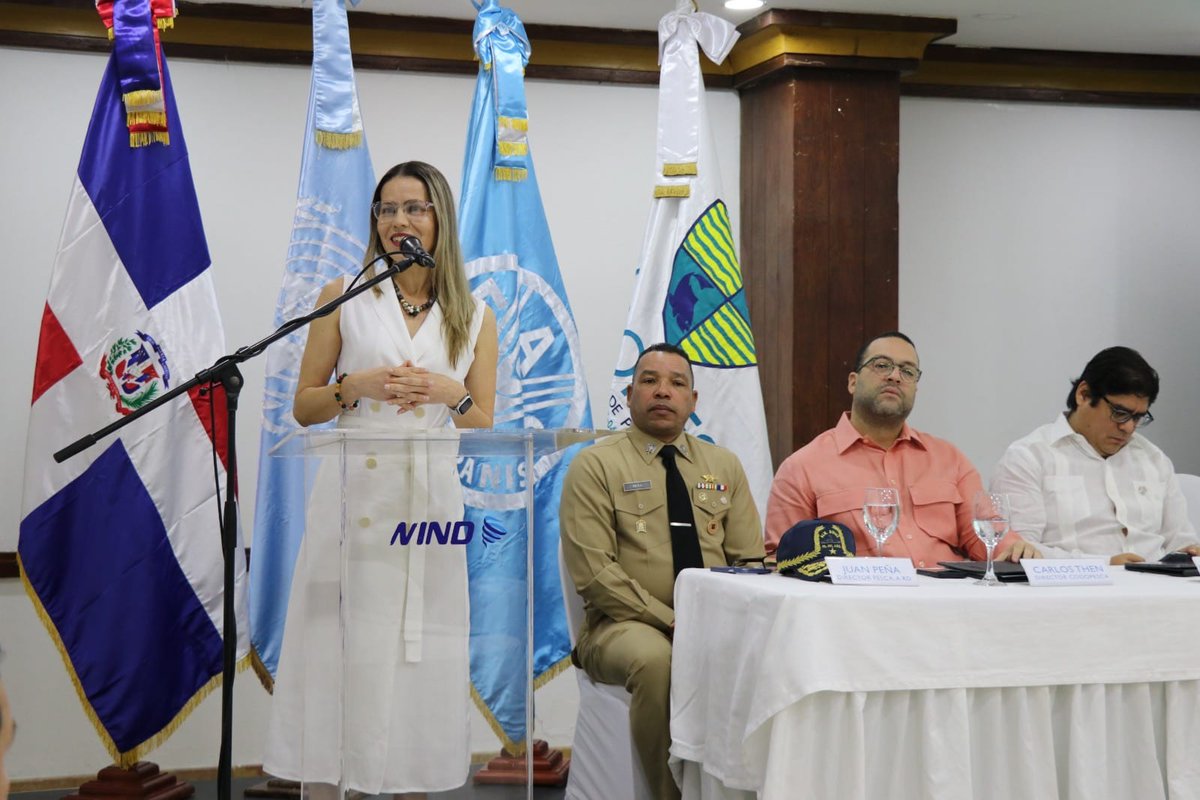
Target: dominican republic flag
(120, 546)
(330, 231)
(689, 288)
(539, 383)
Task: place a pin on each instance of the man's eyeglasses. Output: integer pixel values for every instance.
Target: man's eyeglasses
(413, 209)
(1121, 415)
(883, 366)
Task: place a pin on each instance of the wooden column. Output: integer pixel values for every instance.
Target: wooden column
(819, 221)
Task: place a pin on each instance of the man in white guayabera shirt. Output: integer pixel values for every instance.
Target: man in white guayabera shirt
(1088, 484)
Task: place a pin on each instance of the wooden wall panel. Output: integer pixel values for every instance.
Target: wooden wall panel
(825, 242)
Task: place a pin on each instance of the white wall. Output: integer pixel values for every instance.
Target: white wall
(593, 146)
(1031, 237)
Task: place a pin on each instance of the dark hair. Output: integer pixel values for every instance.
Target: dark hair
(664, 347)
(862, 351)
(1116, 370)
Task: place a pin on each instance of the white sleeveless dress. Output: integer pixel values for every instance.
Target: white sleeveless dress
(406, 690)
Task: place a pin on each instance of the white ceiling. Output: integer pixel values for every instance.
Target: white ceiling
(1165, 27)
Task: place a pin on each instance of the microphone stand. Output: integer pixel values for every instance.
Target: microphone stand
(225, 372)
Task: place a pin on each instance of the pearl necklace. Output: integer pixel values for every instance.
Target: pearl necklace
(409, 308)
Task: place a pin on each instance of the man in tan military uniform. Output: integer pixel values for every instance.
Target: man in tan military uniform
(616, 539)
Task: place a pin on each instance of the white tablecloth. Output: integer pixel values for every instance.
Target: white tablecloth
(948, 690)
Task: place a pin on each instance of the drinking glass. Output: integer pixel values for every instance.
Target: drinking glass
(881, 514)
(992, 516)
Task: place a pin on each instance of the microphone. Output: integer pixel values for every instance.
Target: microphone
(411, 247)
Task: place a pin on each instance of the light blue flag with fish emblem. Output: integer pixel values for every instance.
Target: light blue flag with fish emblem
(330, 231)
(689, 288)
(539, 383)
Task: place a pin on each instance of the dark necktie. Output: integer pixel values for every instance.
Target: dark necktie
(685, 545)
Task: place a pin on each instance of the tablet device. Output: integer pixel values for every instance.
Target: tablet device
(743, 570)
(941, 572)
(1178, 569)
(1006, 571)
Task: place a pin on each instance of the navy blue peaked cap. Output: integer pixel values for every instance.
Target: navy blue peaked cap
(804, 546)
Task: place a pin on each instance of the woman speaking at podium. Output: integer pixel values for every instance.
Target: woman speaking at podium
(382, 703)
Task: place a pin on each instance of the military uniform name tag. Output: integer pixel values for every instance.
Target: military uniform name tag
(635, 486)
(872, 571)
(1066, 571)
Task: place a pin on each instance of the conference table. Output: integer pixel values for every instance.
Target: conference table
(784, 688)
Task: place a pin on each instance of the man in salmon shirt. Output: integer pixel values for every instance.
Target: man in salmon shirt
(873, 446)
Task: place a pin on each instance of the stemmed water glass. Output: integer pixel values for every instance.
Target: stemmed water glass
(992, 514)
(881, 514)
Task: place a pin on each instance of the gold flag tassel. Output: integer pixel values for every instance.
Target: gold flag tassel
(685, 168)
(339, 141)
(144, 138)
(143, 97)
(512, 141)
(156, 118)
(672, 190)
(514, 174)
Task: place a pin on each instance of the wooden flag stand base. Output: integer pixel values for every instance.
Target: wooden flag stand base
(550, 768)
(142, 781)
(275, 787)
(283, 789)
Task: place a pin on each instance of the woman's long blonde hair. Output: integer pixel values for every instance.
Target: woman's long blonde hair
(450, 283)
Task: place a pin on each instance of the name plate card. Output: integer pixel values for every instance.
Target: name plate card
(1066, 571)
(872, 571)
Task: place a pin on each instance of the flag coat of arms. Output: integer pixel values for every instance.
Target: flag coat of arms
(330, 230)
(511, 263)
(120, 546)
(689, 289)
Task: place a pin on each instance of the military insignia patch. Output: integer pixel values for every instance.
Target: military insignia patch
(705, 312)
(136, 371)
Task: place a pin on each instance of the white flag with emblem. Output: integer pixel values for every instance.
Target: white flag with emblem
(689, 289)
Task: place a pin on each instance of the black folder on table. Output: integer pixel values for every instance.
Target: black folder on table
(1006, 571)
(1180, 569)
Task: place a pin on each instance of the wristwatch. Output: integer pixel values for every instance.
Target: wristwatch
(464, 405)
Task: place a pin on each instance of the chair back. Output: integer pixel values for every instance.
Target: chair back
(571, 599)
(1190, 486)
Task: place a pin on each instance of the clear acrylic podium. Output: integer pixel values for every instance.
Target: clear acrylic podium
(374, 679)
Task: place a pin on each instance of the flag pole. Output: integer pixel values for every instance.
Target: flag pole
(231, 379)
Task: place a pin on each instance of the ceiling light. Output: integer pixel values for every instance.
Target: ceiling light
(743, 5)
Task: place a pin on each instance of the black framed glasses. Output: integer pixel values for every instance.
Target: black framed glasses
(883, 366)
(1121, 415)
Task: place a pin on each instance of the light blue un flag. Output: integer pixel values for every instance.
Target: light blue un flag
(329, 236)
(539, 383)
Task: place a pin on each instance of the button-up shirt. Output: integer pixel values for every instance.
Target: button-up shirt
(615, 529)
(1070, 501)
(828, 479)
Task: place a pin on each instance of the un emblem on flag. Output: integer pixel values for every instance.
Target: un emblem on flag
(705, 312)
(537, 378)
(135, 369)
